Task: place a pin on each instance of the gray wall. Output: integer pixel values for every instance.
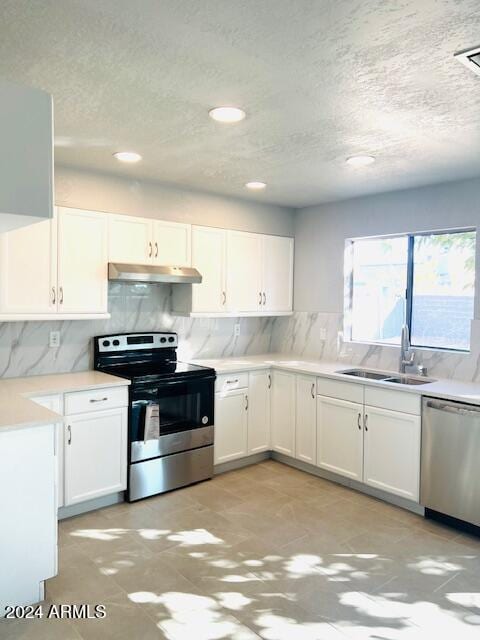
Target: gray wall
(321, 231)
(103, 192)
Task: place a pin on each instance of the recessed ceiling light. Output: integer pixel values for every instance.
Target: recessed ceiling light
(127, 156)
(255, 186)
(360, 161)
(227, 114)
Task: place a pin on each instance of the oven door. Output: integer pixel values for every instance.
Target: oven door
(185, 409)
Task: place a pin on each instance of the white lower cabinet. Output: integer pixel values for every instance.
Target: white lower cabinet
(306, 419)
(340, 436)
(283, 412)
(55, 403)
(95, 454)
(392, 452)
(259, 386)
(231, 420)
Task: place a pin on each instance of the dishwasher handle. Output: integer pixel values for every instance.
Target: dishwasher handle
(457, 409)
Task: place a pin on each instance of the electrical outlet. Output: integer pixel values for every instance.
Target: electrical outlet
(236, 329)
(322, 333)
(54, 338)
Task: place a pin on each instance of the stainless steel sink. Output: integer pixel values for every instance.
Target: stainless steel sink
(365, 373)
(411, 380)
(386, 377)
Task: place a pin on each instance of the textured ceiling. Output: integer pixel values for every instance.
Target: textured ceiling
(319, 79)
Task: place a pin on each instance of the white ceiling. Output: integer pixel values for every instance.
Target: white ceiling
(320, 80)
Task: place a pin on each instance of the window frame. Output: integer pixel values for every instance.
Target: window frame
(348, 284)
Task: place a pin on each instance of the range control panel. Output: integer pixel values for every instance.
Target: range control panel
(137, 341)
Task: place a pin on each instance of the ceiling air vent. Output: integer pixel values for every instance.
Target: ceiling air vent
(470, 58)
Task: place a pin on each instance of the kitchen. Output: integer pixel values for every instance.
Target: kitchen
(239, 322)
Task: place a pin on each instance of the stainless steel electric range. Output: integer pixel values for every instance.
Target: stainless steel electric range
(171, 411)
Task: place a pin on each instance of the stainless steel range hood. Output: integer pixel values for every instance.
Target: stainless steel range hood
(152, 273)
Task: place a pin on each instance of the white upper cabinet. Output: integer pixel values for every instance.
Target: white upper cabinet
(26, 161)
(244, 273)
(129, 239)
(82, 262)
(340, 436)
(27, 257)
(277, 273)
(392, 452)
(208, 256)
(171, 243)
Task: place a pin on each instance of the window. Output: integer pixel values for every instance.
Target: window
(426, 280)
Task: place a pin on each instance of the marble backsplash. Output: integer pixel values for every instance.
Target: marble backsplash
(318, 336)
(24, 346)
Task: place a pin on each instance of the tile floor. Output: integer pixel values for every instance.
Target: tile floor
(266, 551)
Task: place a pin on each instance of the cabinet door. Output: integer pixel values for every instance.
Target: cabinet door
(28, 257)
(230, 425)
(244, 271)
(208, 256)
(82, 261)
(392, 452)
(129, 240)
(277, 273)
(55, 403)
(340, 436)
(95, 454)
(283, 413)
(171, 243)
(306, 419)
(259, 386)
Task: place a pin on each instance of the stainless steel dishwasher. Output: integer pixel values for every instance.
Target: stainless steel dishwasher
(450, 473)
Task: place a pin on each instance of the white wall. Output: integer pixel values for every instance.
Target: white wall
(320, 234)
(104, 192)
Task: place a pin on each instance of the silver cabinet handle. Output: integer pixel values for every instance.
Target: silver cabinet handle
(54, 297)
(313, 390)
(269, 380)
(61, 295)
(69, 429)
(264, 298)
(365, 422)
(224, 298)
(156, 249)
(359, 421)
(231, 381)
(259, 297)
(150, 249)
(246, 403)
(98, 399)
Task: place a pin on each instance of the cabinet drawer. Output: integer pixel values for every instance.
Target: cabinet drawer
(342, 390)
(95, 400)
(230, 381)
(393, 400)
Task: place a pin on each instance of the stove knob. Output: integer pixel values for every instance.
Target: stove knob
(163, 340)
(171, 339)
(116, 343)
(204, 419)
(106, 343)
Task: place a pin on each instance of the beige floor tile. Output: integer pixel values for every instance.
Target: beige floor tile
(44, 629)
(124, 621)
(266, 551)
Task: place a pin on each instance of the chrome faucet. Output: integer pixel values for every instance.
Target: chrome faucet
(407, 357)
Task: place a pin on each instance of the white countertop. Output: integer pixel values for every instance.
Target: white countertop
(18, 412)
(442, 388)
